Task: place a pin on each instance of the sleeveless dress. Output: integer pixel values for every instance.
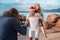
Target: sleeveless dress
(34, 26)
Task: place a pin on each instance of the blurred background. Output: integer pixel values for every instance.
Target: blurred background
(48, 6)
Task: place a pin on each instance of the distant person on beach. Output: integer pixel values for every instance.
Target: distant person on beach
(9, 25)
(35, 24)
(39, 13)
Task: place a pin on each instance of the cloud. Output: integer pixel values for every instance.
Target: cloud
(17, 1)
(47, 4)
(43, 3)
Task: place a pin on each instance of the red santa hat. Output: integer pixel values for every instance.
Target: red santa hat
(32, 8)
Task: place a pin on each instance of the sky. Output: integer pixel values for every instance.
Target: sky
(46, 4)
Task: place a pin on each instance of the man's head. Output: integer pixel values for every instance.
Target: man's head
(12, 13)
(32, 10)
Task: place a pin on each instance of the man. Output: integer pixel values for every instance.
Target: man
(9, 25)
(35, 24)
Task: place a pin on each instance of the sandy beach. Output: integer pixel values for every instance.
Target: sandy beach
(50, 35)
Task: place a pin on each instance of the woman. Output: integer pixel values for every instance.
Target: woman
(35, 24)
(38, 13)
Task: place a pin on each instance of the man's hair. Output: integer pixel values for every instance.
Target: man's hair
(14, 12)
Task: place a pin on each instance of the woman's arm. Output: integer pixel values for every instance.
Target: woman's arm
(42, 28)
(26, 23)
(43, 31)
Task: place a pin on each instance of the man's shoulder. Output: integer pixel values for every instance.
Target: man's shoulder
(12, 19)
(9, 18)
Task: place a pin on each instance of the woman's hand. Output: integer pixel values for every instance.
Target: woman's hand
(43, 31)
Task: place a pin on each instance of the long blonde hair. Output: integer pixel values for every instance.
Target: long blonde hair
(39, 9)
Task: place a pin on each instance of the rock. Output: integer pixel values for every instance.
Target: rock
(45, 25)
(52, 20)
(58, 23)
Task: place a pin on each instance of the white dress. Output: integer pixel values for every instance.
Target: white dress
(34, 26)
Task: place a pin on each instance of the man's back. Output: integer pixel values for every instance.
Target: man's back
(6, 29)
(9, 28)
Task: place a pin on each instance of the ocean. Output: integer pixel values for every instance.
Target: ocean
(4, 7)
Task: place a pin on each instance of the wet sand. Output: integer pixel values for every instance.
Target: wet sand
(50, 36)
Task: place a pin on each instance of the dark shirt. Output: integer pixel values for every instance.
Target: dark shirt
(9, 27)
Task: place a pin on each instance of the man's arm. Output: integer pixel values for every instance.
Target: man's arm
(27, 22)
(19, 28)
(44, 32)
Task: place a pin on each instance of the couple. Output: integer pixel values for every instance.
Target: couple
(35, 20)
(9, 24)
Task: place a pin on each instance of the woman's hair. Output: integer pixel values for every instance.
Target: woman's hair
(39, 9)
